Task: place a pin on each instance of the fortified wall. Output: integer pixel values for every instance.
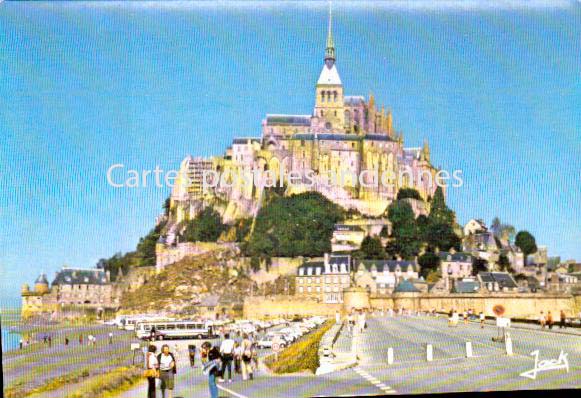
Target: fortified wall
(517, 305)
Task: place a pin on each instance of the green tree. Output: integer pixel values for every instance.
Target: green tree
(255, 263)
(429, 263)
(205, 227)
(479, 265)
(504, 263)
(408, 193)
(526, 242)
(371, 248)
(439, 231)
(297, 225)
(404, 233)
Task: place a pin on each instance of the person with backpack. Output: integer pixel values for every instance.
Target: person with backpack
(167, 371)
(227, 353)
(151, 370)
(211, 367)
(246, 362)
(192, 355)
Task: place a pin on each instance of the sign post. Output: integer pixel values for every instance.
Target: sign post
(276, 346)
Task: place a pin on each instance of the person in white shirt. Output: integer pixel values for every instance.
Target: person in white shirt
(227, 352)
(167, 370)
(361, 321)
(482, 318)
(151, 363)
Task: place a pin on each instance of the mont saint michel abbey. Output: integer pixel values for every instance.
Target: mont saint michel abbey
(344, 135)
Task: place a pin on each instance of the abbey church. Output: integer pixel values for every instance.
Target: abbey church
(344, 135)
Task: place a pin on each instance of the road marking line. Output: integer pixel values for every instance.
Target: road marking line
(375, 381)
(231, 392)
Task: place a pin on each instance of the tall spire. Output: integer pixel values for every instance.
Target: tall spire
(330, 49)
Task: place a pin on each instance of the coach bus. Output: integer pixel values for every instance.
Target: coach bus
(174, 330)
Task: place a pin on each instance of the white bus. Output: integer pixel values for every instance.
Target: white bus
(174, 330)
(130, 322)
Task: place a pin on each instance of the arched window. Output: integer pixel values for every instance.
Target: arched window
(347, 117)
(322, 96)
(334, 96)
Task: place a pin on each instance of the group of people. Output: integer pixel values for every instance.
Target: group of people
(219, 362)
(47, 340)
(356, 320)
(549, 320)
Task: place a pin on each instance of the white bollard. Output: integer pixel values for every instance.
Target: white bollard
(469, 349)
(508, 342)
(390, 356)
(429, 353)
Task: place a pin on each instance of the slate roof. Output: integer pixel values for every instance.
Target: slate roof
(313, 265)
(339, 259)
(466, 287)
(353, 100)
(406, 286)
(244, 141)
(389, 265)
(504, 279)
(456, 257)
(290, 120)
(378, 137)
(71, 276)
(41, 279)
(327, 137)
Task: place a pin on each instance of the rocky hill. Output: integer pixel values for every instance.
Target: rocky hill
(182, 287)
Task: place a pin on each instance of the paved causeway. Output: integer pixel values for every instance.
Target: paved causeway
(489, 368)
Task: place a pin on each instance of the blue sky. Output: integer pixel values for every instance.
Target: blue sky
(494, 87)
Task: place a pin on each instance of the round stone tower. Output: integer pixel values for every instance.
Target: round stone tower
(41, 284)
(355, 298)
(25, 289)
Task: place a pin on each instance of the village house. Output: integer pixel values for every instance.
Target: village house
(382, 276)
(324, 280)
(497, 282)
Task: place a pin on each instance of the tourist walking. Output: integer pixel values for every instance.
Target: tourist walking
(237, 357)
(192, 355)
(110, 337)
(337, 317)
(50, 341)
(542, 320)
(227, 354)
(167, 371)
(350, 322)
(21, 343)
(482, 319)
(550, 320)
(204, 352)
(211, 367)
(151, 370)
(361, 321)
(66, 340)
(81, 339)
(246, 363)
(563, 320)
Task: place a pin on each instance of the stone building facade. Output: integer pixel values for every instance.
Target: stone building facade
(72, 289)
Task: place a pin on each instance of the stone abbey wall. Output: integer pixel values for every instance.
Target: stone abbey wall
(259, 307)
(519, 306)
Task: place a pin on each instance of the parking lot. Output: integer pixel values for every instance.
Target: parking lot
(489, 369)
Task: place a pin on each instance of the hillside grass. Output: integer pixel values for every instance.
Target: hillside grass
(302, 355)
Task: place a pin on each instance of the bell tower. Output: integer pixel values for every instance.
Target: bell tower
(329, 105)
